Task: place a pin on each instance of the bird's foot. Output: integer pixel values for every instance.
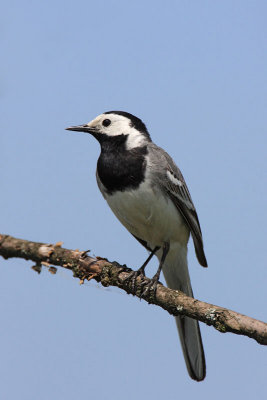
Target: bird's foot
(131, 279)
(150, 288)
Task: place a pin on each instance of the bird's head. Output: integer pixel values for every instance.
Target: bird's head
(113, 125)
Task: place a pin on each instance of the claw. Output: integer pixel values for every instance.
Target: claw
(132, 278)
(150, 289)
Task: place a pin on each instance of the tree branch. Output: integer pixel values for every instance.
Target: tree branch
(113, 274)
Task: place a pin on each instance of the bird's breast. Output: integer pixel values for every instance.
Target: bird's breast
(148, 214)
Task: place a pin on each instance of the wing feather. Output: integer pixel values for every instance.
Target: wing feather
(172, 182)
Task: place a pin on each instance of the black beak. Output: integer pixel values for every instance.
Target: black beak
(80, 128)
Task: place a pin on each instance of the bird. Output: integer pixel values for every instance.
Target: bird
(148, 194)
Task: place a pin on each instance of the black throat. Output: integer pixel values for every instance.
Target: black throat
(120, 169)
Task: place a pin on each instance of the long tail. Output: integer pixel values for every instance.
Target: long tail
(177, 277)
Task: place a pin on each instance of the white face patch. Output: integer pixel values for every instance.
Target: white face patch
(173, 179)
(135, 139)
(119, 125)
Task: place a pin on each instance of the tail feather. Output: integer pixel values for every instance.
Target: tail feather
(177, 277)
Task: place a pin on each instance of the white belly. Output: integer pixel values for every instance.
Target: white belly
(149, 215)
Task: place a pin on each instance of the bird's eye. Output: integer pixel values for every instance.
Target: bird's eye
(106, 122)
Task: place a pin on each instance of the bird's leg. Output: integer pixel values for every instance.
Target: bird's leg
(141, 271)
(152, 285)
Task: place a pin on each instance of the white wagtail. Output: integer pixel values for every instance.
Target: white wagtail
(148, 194)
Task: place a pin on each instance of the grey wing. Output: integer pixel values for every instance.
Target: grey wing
(172, 181)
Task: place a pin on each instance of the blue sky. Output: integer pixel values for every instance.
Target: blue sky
(195, 72)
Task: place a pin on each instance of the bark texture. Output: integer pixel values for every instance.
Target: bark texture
(108, 273)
